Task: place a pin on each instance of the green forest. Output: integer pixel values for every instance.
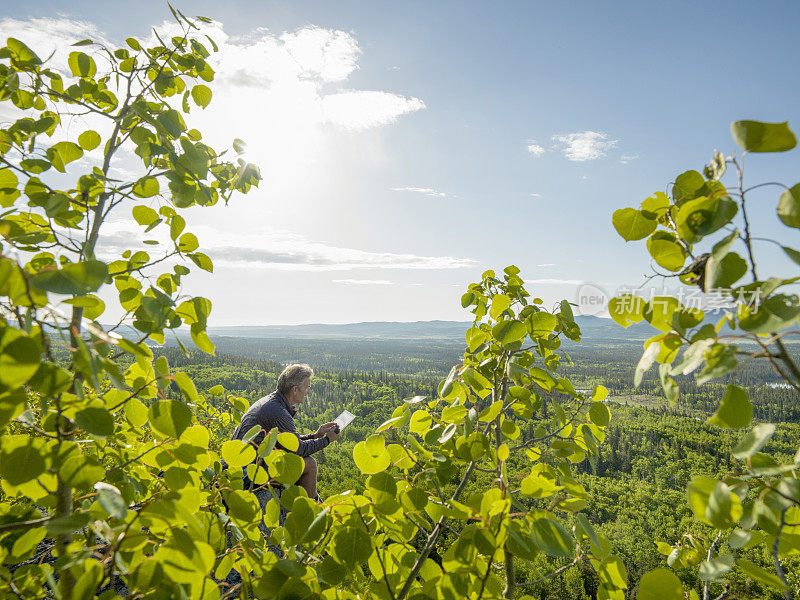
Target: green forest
(636, 486)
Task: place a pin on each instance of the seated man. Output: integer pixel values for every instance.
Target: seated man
(278, 410)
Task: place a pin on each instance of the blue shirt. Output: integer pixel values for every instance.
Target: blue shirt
(275, 411)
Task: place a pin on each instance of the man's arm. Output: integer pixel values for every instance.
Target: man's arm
(278, 417)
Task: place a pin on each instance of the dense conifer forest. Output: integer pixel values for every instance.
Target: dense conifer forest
(636, 487)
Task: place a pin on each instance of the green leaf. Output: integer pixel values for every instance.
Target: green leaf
(172, 122)
(144, 215)
(95, 420)
(759, 574)
(20, 356)
(74, 279)
(717, 167)
(81, 471)
(237, 454)
(202, 261)
(664, 249)
(626, 309)
(687, 186)
(755, 136)
(186, 385)
(541, 324)
(723, 274)
(21, 52)
(81, 64)
(288, 441)
(612, 572)
(201, 95)
(735, 409)
(753, 441)
(599, 414)
(509, 331)
(188, 242)
(789, 207)
(371, 455)
(89, 140)
(146, 187)
(136, 412)
(660, 584)
(133, 43)
(701, 216)
(22, 458)
(111, 500)
(420, 422)
(698, 492)
(92, 306)
(299, 519)
(551, 538)
(169, 417)
(352, 546)
(633, 224)
(792, 253)
(716, 567)
(61, 154)
(724, 507)
(287, 468)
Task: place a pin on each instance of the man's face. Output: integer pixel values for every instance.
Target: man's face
(302, 391)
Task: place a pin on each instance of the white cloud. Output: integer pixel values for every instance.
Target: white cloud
(535, 149)
(547, 265)
(534, 195)
(279, 250)
(626, 158)
(364, 281)
(48, 36)
(555, 281)
(584, 145)
(418, 190)
(362, 110)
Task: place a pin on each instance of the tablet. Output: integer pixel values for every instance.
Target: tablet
(344, 419)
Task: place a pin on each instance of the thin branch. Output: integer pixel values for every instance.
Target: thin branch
(778, 566)
(707, 586)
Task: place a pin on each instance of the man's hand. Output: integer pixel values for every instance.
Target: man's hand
(333, 433)
(323, 429)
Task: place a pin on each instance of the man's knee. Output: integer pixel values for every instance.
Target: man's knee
(310, 466)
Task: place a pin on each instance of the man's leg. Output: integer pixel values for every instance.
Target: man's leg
(308, 480)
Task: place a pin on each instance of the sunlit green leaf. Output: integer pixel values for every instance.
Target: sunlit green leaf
(169, 417)
(735, 410)
(756, 136)
(660, 584)
(633, 224)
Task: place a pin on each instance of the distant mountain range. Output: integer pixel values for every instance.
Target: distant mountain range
(594, 328)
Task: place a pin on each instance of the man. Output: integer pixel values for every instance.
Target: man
(278, 410)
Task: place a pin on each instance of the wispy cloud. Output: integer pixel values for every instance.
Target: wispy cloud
(535, 148)
(424, 191)
(626, 158)
(555, 281)
(279, 250)
(534, 195)
(584, 145)
(547, 265)
(364, 281)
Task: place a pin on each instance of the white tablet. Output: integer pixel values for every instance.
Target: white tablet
(344, 419)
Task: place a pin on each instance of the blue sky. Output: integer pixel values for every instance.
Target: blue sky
(462, 136)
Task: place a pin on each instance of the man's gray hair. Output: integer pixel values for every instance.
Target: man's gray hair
(293, 375)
